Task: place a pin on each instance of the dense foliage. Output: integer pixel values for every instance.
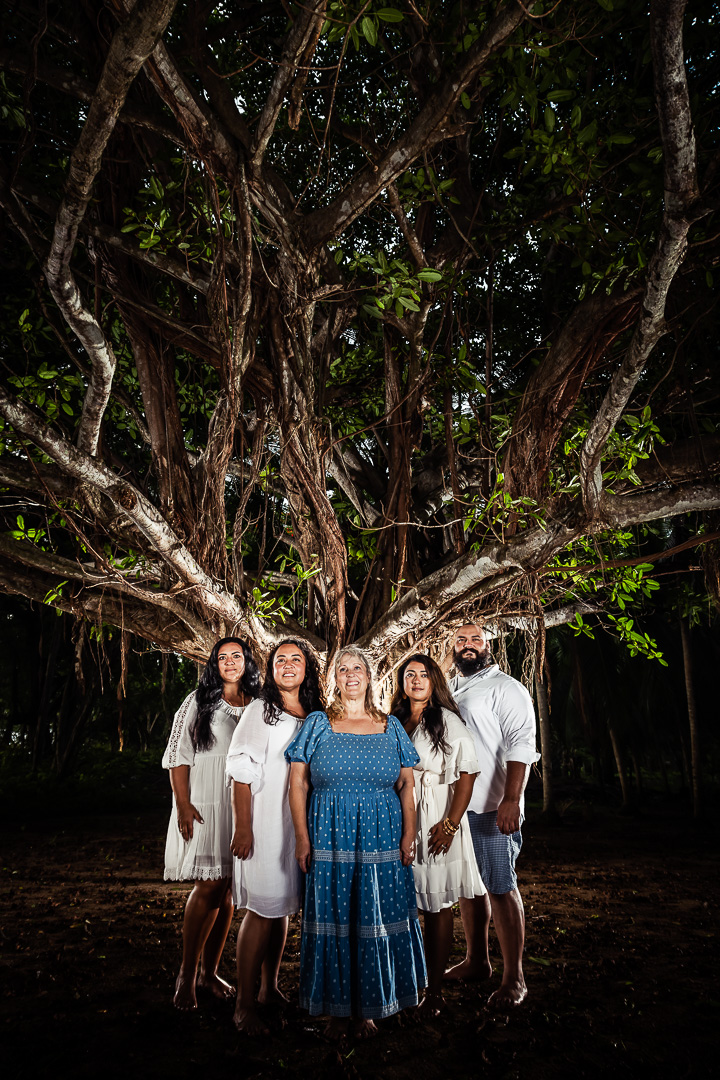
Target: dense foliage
(356, 317)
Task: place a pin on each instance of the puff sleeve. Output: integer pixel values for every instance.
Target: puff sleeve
(315, 730)
(462, 757)
(248, 748)
(407, 753)
(180, 749)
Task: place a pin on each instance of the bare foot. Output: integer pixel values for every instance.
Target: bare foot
(273, 996)
(430, 1007)
(216, 986)
(469, 971)
(337, 1028)
(247, 1020)
(364, 1029)
(184, 998)
(508, 996)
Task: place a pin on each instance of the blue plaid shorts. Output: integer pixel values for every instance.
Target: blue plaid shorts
(496, 854)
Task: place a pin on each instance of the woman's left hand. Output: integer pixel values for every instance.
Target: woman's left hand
(407, 850)
(439, 842)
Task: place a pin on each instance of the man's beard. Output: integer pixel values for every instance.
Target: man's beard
(470, 665)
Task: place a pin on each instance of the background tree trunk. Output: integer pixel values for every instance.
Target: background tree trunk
(696, 765)
(549, 809)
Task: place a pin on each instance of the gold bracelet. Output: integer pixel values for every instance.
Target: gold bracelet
(449, 827)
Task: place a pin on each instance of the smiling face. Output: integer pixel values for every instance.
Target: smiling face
(289, 668)
(352, 677)
(416, 682)
(231, 663)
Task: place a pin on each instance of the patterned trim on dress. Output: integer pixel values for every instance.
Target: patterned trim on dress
(377, 1013)
(177, 729)
(362, 857)
(201, 874)
(343, 930)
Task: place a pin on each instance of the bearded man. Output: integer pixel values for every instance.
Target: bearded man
(499, 712)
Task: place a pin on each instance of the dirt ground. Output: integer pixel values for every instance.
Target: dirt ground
(621, 953)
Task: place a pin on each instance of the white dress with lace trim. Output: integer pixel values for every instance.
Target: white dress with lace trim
(207, 856)
(268, 882)
(440, 880)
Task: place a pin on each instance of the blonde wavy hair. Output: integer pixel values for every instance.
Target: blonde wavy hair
(336, 710)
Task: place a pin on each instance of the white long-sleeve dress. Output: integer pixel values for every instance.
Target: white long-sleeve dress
(268, 882)
(206, 856)
(440, 880)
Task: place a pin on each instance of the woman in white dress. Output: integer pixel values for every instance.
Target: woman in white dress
(198, 839)
(266, 877)
(445, 867)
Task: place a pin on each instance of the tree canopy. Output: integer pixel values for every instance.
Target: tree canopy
(349, 319)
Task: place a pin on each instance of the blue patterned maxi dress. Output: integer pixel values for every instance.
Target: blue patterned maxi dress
(361, 953)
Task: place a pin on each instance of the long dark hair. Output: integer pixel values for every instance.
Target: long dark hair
(310, 694)
(440, 698)
(209, 692)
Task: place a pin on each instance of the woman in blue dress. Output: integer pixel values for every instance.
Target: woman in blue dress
(361, 955)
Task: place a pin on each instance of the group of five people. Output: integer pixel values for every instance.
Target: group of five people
(357, 817)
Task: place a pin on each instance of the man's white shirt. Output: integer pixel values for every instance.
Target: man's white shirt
(499, 713)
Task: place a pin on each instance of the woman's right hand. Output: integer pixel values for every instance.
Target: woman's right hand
(303, 854)
(186, 815)
(242, 843)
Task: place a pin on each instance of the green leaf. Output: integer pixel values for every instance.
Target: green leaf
(561, 95)
(465, 100)
(429, 275)
(549, 119)
(369, 29)
(390, 15)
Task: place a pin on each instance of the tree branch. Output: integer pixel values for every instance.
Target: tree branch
(30, 555)
(431, 125)
(131, 45)
(299, 48)
(681, 211)
(496, 564)
(128, 500)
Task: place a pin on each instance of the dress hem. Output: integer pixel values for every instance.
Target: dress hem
(264, 915)
(376, 1013)
(201, 875)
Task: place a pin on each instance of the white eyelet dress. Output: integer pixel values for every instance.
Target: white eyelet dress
(440, 880)
(207, 856)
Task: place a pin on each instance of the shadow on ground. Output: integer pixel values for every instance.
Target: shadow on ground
(621, 956)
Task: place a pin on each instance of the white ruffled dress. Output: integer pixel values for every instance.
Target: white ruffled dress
(440, 880)
(269, 881)
(207, 856)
